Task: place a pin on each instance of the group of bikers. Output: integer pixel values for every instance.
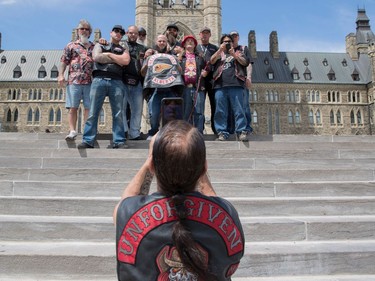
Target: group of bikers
(129, 72)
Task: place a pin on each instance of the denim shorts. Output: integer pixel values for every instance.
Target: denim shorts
(75, 93)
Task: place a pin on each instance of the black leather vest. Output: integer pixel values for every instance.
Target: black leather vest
(109, 70)
(144, 236)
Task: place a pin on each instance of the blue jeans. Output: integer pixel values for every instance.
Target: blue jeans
(100, 88)
(194, 107)
(154, 108)
(75, 93)
(134, 97)
(225, 98)
(246, 105)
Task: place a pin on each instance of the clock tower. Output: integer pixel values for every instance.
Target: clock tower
(189, 15)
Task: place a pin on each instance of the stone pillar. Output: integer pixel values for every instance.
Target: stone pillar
(212, 18)
(252, 44)
(274, 45)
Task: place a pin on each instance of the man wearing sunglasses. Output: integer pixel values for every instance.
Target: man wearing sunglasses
(78, 56)
(107, 81)
(229, 85)
(142, 34)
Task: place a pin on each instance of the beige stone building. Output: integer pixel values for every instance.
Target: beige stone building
(292, 92)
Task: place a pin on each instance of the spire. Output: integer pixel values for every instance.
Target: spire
(364, 33)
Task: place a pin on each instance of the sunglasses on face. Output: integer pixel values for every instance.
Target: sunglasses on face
(227, 41)
(85, 29)
(116, 30)
(143, 35)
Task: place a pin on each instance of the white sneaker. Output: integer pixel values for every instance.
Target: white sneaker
(72, 135)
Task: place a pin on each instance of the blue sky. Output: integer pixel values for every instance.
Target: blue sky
(301, 25)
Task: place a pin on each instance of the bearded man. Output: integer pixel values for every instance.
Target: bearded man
(78, 55)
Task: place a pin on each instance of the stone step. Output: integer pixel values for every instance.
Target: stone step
(307, 205)
(231, 163)
(260, 260)
(213, 152)
(270, 138)
(256, 142)
(256, 229)
(298, 206)
(67, 188)
(21, 188)
(238, 175)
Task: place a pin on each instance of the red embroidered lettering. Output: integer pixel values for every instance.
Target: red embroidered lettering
(212, 218)
(162, 211)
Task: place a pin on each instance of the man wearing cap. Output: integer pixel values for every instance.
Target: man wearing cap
(206, 49)
(229, 84)
(78, 55)
(132, 79)
(142, 36)
(172, 33)
(193, 72)
(107, 81)
(245, 50)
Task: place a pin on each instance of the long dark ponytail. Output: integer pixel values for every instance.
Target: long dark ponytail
(179, 156)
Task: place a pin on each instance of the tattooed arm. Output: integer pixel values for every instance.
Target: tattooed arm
(141, 182)
(99, 56)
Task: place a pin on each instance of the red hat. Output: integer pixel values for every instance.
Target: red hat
(188, 37)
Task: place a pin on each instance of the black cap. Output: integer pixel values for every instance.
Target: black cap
(142, 30)
(172, 25)
(118, 26)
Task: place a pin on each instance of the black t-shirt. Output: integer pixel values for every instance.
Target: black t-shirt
(228, 77)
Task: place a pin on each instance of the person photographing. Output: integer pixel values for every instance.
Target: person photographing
(183, 231)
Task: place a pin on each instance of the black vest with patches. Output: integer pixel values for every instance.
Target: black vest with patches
(144, 246)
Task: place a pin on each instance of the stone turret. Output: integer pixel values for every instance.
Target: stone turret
(357, 44)
(274, 45)
(97, 35)
(351, 46)
(74, 35)
(252, 44)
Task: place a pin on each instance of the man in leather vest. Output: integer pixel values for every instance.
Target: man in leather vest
(108, 67)
(132, 79)
(249, 68)
(183, 231)
(229, 85)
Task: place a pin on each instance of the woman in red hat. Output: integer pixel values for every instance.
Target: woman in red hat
(193, 68)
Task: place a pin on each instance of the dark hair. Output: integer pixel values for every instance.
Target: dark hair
(179, 157)
(225, 35)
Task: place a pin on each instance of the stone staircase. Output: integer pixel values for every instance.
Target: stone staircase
(307, 204)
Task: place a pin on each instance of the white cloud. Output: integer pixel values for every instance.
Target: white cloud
(7, 2)
(41, 3)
